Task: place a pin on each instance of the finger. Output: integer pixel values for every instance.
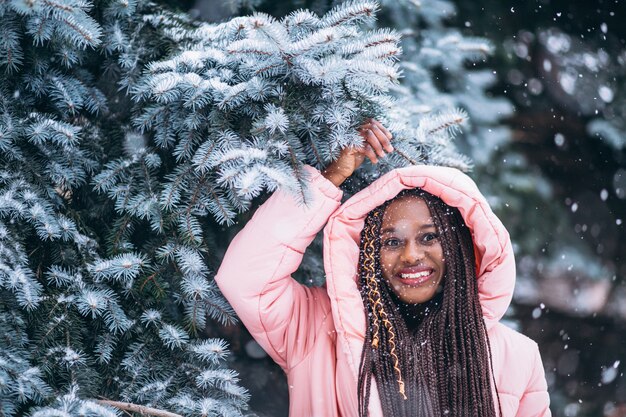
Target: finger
(369, 152)
(371, 123)
(374, 142)
(384, 129)
(382, 138)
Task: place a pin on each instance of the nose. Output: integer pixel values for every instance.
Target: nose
(412, 253)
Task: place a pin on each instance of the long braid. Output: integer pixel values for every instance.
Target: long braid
(443, 367)
(370, 273)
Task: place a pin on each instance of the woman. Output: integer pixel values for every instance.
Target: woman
(418, 273)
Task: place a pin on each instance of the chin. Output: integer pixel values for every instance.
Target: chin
(415, 299)
(413, 295)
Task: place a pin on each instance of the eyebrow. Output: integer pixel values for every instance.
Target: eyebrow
(393, 229)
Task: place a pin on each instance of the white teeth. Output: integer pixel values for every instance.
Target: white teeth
(416, 275)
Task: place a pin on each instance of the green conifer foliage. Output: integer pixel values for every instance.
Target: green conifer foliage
(245, 103)
(85, 313)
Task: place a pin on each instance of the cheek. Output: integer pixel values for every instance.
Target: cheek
(386, 263)
(439, 255)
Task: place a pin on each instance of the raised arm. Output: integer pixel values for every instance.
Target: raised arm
(255, 276)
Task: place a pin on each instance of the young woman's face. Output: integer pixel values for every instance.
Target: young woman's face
(411, 255)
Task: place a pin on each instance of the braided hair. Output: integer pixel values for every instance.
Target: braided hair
(441, 366)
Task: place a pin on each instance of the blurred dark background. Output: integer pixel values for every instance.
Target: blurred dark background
(583, 351)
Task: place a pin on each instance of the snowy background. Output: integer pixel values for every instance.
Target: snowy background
(136, 139)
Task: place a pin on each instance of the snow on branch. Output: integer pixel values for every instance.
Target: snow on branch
(65, 18)
(265, 80)
(122, 268)
(444, 123)
(351, 12)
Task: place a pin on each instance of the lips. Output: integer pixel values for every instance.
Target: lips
(415, 276)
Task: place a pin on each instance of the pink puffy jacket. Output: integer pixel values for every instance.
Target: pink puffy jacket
(316, 334)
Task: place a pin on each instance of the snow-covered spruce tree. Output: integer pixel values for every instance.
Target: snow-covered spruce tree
(442, 69)
(83, 317)
(111, 209)
(42, 161)
(256, 97)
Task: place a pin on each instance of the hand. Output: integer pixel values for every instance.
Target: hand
(377, 140)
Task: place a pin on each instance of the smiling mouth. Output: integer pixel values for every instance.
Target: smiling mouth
(416, 278)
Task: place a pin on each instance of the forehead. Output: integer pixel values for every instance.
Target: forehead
(408, 210)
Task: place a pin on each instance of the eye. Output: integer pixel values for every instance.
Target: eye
(430, 237)
(391, 242)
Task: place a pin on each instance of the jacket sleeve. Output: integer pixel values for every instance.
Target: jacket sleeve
(535, 401)
(255, 275)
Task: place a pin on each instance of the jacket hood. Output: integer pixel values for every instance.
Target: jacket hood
(492, 246)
